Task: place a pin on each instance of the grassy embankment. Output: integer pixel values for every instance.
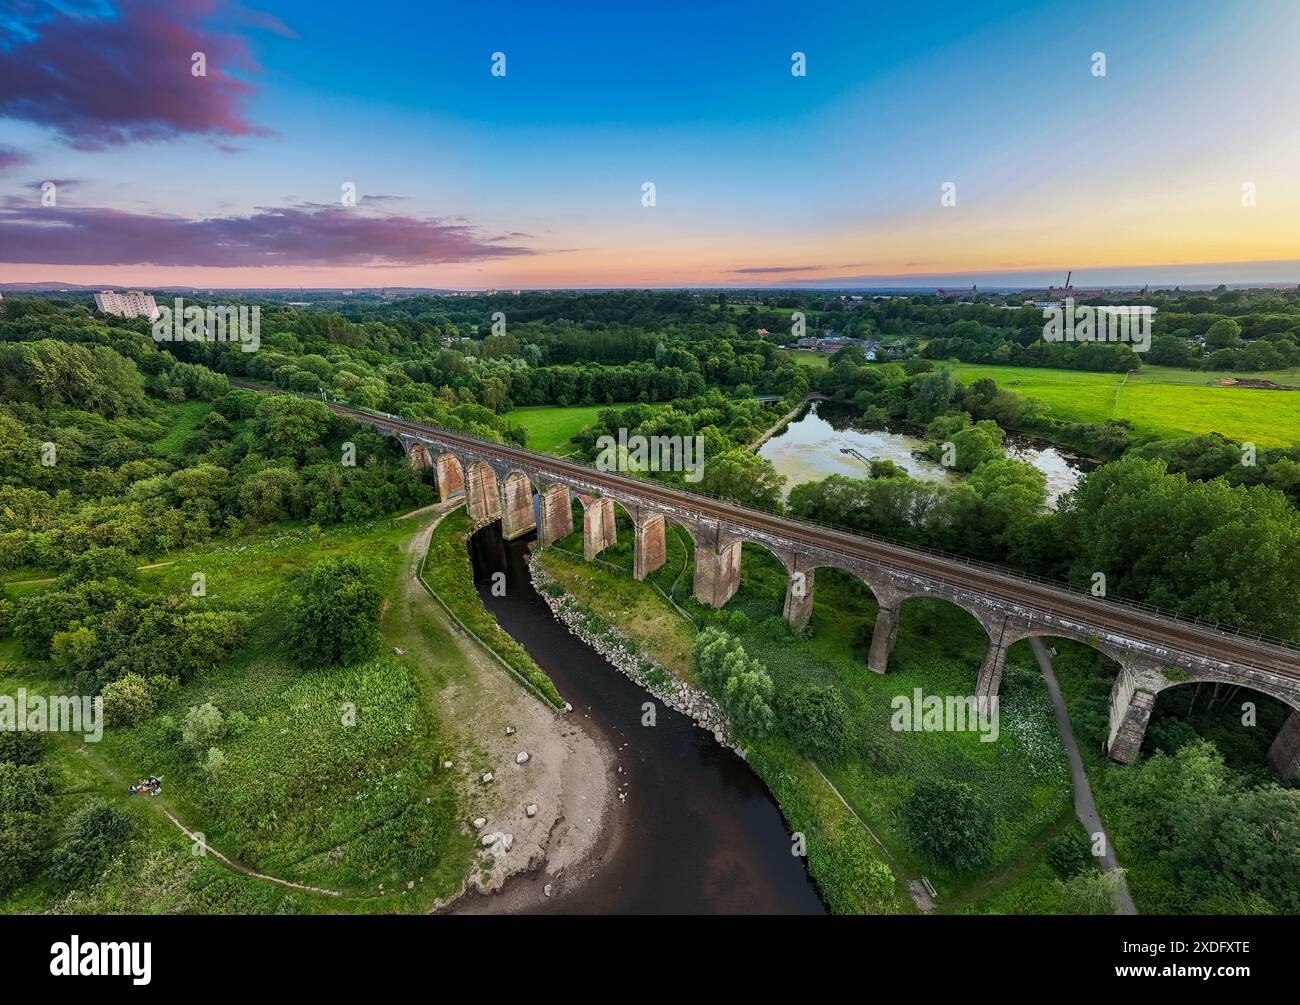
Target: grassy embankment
(449, 574)
(1023, 775)
(301, 796)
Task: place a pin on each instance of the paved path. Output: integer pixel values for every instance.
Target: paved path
(1084, 805)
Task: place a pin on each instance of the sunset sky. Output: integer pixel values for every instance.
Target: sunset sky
(761, 177)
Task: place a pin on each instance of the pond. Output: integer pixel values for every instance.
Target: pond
(831, 439)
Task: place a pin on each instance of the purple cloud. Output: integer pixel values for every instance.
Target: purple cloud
(292, 236)
(760, 269)
(9, 157)
(104, 81)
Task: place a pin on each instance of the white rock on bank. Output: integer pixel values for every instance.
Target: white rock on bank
(521, 757)
(531, 810)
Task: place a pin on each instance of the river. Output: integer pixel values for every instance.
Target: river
(698, 833)
(812, 447)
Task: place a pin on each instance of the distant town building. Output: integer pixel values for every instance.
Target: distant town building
(132, 304)
(970, 294)
(830, 343)
(1061, 292)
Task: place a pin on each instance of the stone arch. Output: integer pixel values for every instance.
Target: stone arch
(482, 493)
(1283, 754)
(1288, 698)
(649, 530)
(674, 530)
(517, 514)
(1019, 633)
(450, 474)
(419, 457)
(894, 601)
(763, 564)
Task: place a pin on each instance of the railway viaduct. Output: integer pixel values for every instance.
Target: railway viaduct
(1154, 651)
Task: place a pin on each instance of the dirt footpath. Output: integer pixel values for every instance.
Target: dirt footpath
(567, 775)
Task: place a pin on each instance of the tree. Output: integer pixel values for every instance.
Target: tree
(336, 616)
(24, 804)
(20, 748)
(747, 700)
(289, 425)
(745, 478)
(741, 685)
(933, 395)
(268, 494)
(204, 726)
(949, 824)
(1201, 548)
(1245, 843)
(816, 720)
(214, 762)
(98, 563)
(97, 832)
(128, 700)
(1223, 334)
(981, 442)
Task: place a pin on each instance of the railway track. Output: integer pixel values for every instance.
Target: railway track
(1098, 615)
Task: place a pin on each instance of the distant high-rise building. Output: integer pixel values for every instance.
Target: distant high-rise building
(132, 304)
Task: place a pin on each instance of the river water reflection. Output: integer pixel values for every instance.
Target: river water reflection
(813, 447)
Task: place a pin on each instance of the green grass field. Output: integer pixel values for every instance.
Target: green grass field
(550, 427)
(812, 360)
(1160, 401)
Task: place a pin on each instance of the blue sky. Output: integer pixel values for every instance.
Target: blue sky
(832, 175)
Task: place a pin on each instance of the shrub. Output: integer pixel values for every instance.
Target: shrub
(336, 618)
(20, 748)
(24, 802)
(1090, 892)
(1070, 853)
(204, 726)
(741, 685)
(214, 762)
(816, 719)
(96, 833)
(128, 700)
(949, 825)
